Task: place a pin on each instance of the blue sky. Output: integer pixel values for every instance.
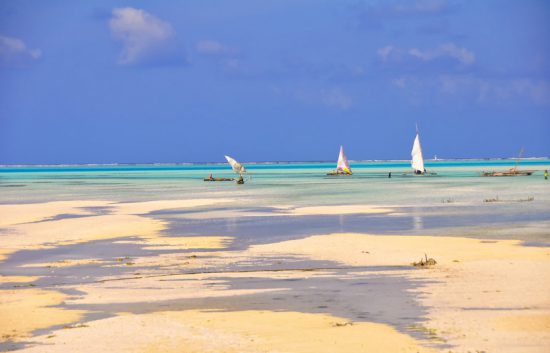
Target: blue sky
(190, 81)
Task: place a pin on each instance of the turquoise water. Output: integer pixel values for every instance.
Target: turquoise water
(288, 183)
(453, 202)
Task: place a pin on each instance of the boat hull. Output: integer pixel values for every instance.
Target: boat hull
(425, 174)
(218, 179)
(508, 174)
(338, 174)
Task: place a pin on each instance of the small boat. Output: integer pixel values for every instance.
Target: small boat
(510, 172)
(342, 166)
(218, 179)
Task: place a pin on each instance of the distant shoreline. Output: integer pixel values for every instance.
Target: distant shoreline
(267, 162)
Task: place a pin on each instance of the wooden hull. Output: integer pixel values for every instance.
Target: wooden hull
(218, 179)
(419, 175)
(338, 174)
(508, 174)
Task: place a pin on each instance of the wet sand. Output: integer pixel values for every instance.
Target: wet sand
(126, 279)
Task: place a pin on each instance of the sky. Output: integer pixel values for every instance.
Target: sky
(272, 80)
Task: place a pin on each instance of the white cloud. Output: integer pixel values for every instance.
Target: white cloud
(384, 53)
(233, 64)
(143, 36)
(447, 50)
(399, 82)
(337, 98)
(333, 97)
(463, 55)
(537, 91)
(212, 47)
(14, 52)
(474, 89)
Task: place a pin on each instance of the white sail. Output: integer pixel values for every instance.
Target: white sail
(237, 167)
(343, 164)
(417, 159)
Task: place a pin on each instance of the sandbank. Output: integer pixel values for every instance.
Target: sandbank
(28, 226)
(231, 332)
(25, 310)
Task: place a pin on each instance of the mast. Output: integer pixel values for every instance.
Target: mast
(517, 159)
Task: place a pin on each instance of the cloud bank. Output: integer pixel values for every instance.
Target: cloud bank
(474, 89)
(451, 51)
(212, 47)
(14, 52)
(145, 38)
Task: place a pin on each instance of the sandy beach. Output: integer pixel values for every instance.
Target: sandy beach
(351, 292)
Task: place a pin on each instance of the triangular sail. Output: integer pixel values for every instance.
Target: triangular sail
(417, 159)
(237, 167)
(343, 164)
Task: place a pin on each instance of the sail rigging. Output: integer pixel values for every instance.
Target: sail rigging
(237, 167)
(343, 164)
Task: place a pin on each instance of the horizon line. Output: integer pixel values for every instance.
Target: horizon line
(261, 162)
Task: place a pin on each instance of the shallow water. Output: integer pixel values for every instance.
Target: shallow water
(453, 202)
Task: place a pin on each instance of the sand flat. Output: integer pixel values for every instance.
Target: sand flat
(473, 299)
(181, 242)
(35, 212)
(230, 332)
(468, 293)
(525, 322)
(67, 231)
(21, 231)
(151, 206)
(25, 310)
(17, 279)
(365, 249)
(158, 289)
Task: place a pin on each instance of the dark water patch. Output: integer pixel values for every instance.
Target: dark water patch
(115, 260)
(98, 210)
(8, 346)
(378, 298)
(60, 217)
(102, 250)
(12, 185)
(538, 244)
(201, 209)
(252, 230)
